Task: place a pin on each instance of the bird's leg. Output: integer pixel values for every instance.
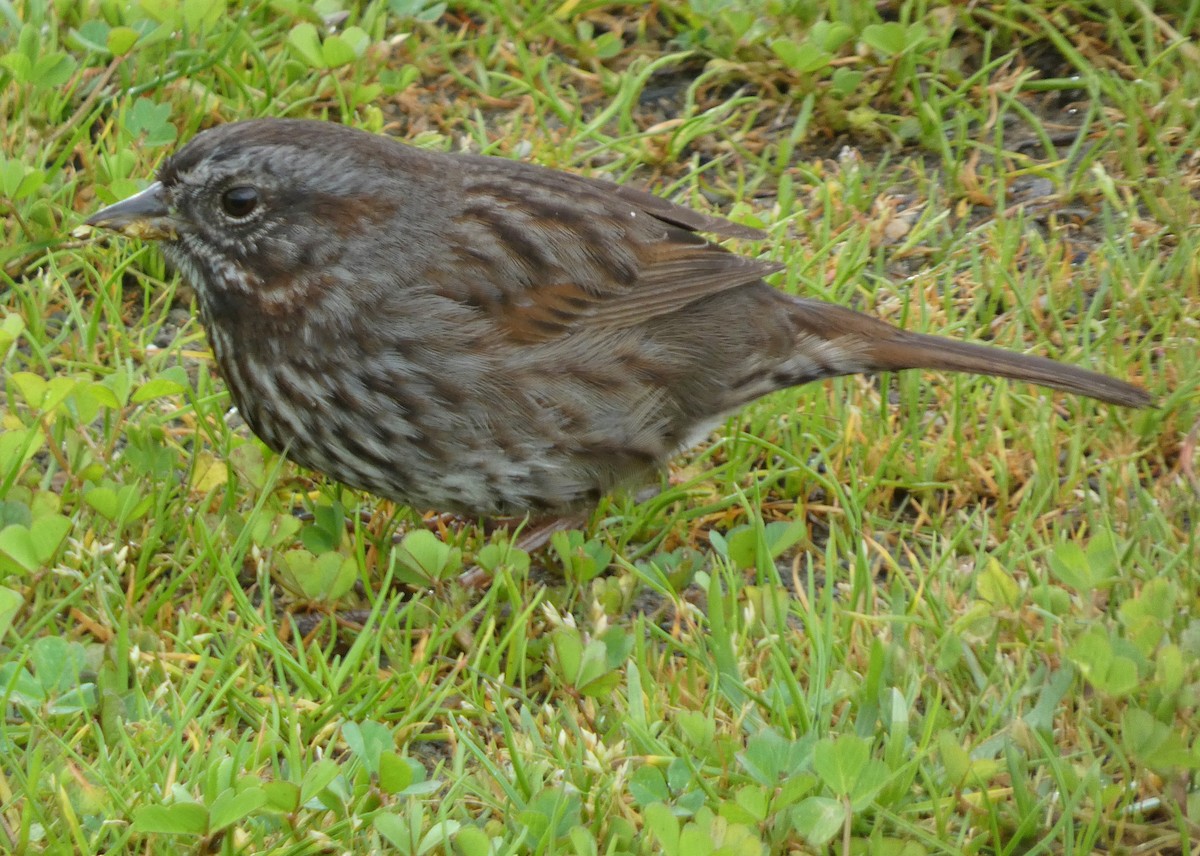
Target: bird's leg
(533, 534)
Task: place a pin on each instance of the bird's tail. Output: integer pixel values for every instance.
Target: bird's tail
(877, 346)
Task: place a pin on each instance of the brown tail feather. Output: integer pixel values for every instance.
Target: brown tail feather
(886, 348)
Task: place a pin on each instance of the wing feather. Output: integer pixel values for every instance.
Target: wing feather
(553, 252)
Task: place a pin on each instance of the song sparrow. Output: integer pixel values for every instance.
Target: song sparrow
(482, 335)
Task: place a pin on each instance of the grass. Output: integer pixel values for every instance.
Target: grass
(898, 615)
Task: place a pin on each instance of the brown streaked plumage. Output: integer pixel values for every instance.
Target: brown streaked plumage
(482, 335)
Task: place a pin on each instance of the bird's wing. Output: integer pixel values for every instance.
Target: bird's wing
(548, 252)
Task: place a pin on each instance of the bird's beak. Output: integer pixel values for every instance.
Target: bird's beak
(144, 215)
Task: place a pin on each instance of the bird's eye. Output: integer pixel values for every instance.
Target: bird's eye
(240, 201)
